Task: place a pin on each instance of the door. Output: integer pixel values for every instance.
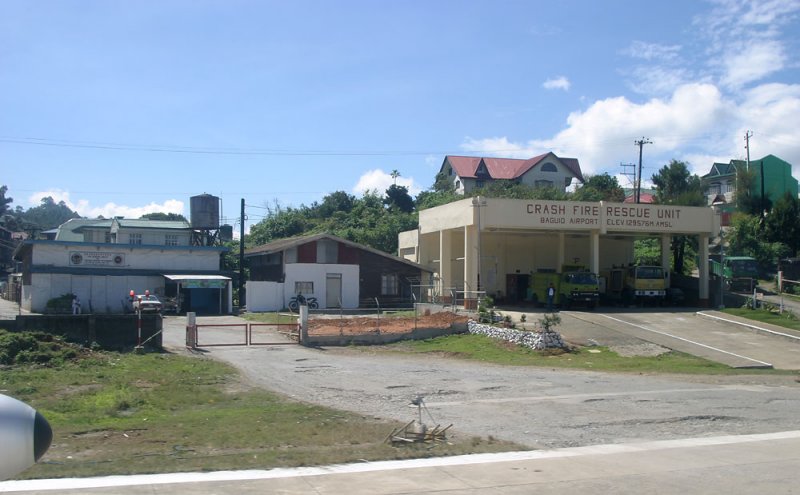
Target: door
(333, 290)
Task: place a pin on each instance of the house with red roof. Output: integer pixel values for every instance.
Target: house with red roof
(546, 170)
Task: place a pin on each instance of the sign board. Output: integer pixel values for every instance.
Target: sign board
(96, 258)
(203, 284)
(601, 216)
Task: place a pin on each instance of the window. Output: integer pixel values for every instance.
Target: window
(478, 183)
(134, 238)
(543, 183)
(549, 167)
(304, 287)
(170, 240)
(389, 285)
(108, 237)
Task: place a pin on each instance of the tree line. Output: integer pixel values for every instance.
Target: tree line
(760, 229)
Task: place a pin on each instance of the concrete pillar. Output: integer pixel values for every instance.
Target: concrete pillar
(303, 324)
(703, 256)
(445, 255)
(561, 251)
(666, 255)
(470, 266)
(594, 252)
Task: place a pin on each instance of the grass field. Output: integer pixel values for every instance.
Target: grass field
(786, 320)
(485, 349)
(129, 414)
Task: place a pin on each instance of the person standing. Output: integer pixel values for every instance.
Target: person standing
(76, 305)
(551, 293)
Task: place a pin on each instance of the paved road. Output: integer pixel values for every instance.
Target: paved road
(539, 408)
(719, 465)
(559, 412)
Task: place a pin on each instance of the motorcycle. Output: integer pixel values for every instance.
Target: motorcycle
(296, 301)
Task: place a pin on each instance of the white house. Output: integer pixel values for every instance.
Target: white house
(101, 261)
(547, 170)
(337, 272)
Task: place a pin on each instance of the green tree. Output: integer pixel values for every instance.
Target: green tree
(747, 239)
(431, 199)
(600, 188)
(4, 201)
(338, 201)
(443, 183)
(676, 185)
(48, 215)
(397, 198)
(280, 223)
(783, 222)
(515, 190)
(163, 216)
(747, 199)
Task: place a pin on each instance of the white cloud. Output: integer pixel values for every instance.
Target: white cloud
(657, 80)
(771, 111)
(753, 62)
(603, 135)
(379, 180)
(497, 146)
(744, 40)
(108, 210)
(559, 82)
(652, 51)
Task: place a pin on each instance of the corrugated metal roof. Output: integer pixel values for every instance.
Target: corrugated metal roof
(154, 224)
(177, 278)
(71, 229)
(283, 244)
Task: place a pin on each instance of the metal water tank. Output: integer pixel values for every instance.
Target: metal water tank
(226, 232)
(204, 211)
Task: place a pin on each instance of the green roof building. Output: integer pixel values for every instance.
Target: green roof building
(720, 181)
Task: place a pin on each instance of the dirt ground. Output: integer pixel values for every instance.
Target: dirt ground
(384, 324)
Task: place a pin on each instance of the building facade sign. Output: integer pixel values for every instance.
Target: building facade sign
(602, 217)
(96, 258)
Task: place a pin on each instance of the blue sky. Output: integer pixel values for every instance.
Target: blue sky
(128, 107)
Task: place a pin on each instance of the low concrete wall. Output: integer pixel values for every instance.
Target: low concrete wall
(111, 332)
(384, 338)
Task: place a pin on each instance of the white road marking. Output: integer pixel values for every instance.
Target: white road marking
(687, 340)
(754, 327)
(173, 478)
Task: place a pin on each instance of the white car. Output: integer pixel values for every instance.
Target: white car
(148, 303)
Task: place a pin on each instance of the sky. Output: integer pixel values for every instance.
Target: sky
(120, 108)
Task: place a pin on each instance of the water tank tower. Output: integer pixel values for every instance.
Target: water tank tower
(204, 212)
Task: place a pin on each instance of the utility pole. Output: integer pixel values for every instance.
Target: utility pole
(747, 136)
(242, 298)
(640, 143)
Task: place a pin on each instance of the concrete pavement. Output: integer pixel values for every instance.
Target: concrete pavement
(763, 463)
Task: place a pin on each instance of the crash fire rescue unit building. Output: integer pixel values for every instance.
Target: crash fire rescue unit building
(493, 246)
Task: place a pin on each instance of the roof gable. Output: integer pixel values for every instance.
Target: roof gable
(284, 244)
(471, 167)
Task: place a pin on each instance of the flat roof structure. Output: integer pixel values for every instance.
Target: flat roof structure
(511, 237)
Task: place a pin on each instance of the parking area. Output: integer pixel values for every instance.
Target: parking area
(709, 334)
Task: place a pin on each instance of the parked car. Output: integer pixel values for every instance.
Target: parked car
(148, 303)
